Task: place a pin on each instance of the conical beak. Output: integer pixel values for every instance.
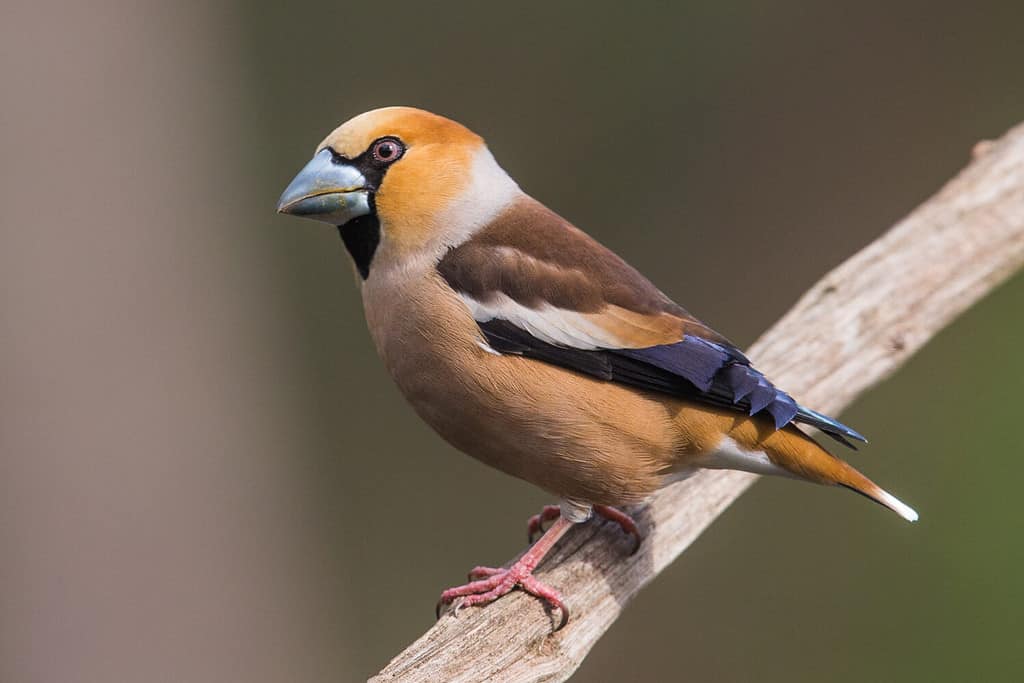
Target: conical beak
(326, 190)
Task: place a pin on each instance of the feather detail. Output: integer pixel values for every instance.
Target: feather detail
(540, 288)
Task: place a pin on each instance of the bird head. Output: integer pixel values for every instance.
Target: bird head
(401, 184)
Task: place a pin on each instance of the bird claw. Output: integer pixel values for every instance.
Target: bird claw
(625, 522)
(477, 573)
(487, 584)
(491, 583)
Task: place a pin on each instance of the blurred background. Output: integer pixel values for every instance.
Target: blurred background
(206, 475)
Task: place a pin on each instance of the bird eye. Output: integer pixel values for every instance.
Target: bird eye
(387, 151)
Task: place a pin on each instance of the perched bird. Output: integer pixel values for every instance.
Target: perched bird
(533, 348)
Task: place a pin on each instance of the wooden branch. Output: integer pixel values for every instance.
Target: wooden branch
(851, 330)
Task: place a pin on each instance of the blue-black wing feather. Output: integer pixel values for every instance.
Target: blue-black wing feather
(694, 368)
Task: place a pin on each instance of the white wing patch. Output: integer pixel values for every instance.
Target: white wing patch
(549, 324)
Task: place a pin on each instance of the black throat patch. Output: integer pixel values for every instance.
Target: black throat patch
(361, 237)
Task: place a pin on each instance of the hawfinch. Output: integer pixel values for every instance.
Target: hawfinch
(531, 347)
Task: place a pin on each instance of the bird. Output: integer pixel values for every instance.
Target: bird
(528, 345)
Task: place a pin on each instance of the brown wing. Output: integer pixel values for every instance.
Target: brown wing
(535, 257)
(539, 287)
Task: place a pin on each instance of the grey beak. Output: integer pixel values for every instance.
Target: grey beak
(326, 191)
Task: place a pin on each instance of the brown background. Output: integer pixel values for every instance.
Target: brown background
(205, 474)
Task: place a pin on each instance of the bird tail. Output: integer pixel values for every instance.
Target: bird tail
(802, 457)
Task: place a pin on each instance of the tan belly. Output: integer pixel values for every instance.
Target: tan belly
(571, 435)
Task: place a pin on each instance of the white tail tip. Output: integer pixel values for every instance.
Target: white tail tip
(899, 507)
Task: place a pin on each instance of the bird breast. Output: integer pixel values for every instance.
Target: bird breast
(569, 434)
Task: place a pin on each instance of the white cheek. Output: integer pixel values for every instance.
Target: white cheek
(489, 192)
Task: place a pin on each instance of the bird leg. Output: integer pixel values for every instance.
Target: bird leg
(625, 522)
(490, 583)
(536, 523)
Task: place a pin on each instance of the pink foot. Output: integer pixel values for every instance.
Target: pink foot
(625, 522)
(491, 583)
(536, 523)
(487, 584)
